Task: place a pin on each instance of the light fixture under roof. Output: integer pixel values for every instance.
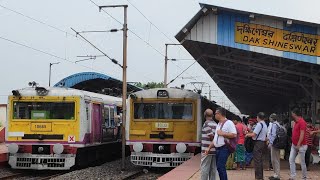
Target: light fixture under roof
(252, 17)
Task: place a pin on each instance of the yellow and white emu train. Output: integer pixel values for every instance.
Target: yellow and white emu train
(58, 128)
(163, 126)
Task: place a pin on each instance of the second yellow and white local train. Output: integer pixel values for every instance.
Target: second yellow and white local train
(163, 126)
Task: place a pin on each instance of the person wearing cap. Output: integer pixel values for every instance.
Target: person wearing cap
(275, 152)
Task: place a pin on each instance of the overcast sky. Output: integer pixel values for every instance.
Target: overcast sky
(20, 64)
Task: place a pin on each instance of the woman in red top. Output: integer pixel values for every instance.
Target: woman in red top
(239, 157)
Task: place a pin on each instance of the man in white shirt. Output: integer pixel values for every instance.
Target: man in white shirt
(224, 131)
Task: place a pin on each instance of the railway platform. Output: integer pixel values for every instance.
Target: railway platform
(190, 170)
(3, 148)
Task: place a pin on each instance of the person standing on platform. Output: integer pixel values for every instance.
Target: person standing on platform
(268, 150)
(275, 152)
(310, 137)
(249, 156)
(240, 150)
(208, 155)
(299, 144)
(225, 130)
(259, 135)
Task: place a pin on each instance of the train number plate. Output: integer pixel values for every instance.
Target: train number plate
(162, 125)
(44, 127)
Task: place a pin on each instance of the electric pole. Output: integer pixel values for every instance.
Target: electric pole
(124, 80)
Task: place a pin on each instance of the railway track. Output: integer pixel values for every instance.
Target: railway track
(143, 174)
(12, 176)
(135, 175)
(29, 175)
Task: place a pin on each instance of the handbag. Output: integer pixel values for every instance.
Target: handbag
(230, 143)
(249, 142)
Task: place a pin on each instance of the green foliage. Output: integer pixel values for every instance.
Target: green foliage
(149, 85)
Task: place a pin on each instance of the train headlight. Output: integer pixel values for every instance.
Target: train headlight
(162, 93)
(161, 148)
(40, 149)
(13, 148)
(181, 148)
(58, 148)
(137, 147)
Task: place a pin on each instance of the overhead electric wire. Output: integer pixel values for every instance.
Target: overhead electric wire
(137, 34)
(129, 30)
(182, 72)
(112, 59)
(55, 28)
(47, 53)
(36, 20)
(151, 23)
(149, 20)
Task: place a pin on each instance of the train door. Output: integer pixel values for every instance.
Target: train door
(96, 123)
(108, 123)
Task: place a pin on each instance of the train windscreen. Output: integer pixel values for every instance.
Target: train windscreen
(165, 110)
(43, 110)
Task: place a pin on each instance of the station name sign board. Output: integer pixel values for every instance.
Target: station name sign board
(279, 39)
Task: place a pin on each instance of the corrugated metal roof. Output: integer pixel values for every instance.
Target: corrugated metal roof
(94, 82)
(74, 79)
(218, 27)
(265, 69)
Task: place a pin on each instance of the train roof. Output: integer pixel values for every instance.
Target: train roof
(178, 93)
(62, 91)
(173, 93)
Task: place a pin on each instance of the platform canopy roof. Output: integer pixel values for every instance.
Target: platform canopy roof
(261, 62)
(95, 82)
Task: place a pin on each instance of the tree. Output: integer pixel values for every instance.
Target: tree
(149, 85)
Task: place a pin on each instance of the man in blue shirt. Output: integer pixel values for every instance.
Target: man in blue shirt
(259, 135)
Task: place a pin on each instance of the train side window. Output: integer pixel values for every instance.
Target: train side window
(87, 110)
(112, 116)
(107, 116)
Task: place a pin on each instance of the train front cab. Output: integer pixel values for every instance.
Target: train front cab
(163, 130)
(39, 130)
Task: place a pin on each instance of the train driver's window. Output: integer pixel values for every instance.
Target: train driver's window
(187, 111)
(166, 111)
(44, 110)
(163, 110)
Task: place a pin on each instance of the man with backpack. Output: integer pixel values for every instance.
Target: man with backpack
(259, 135)
(277, 140)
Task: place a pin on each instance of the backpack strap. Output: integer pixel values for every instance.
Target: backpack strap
(222, 127)
(272, 127)
(260, 130)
